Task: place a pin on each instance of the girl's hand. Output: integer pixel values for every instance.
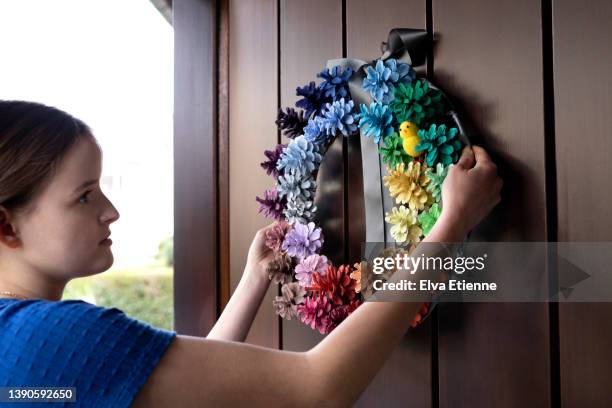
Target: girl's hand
(471, 189)
(260, 255)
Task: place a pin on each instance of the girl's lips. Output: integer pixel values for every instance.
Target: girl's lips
(107, 241)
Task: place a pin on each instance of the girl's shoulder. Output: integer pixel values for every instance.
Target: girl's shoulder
(14, 310)
(103, 352)
(39, 318)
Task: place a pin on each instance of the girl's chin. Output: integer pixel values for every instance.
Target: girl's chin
(102, 263)
(111, 260)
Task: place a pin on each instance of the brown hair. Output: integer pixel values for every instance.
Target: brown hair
(33, 140)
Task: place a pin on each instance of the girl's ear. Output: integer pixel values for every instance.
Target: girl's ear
(8, 233)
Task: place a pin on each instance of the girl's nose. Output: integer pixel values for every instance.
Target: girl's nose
(110, 213)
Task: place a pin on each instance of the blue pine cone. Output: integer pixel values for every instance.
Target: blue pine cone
(300, 157)
(381, 80)
(377, 122)
(335, 82)
(315, 131)
(313, 99)
(338, 116)
(296, 187)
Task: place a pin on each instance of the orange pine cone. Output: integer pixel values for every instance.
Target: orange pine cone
(420, 314)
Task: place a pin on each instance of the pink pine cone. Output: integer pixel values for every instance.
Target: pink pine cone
(309, 265)
(276, 235)
(315, 313)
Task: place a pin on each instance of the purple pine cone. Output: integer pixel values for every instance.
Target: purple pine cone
(273, 155)
(272, 205)
(303, 240)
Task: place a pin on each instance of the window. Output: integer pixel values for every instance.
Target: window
(109, 63)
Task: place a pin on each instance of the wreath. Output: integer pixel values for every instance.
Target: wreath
(417, 135)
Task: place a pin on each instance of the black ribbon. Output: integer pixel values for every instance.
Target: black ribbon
(409, 45)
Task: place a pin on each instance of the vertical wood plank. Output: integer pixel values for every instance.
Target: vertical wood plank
(405, 379)
(252, 108)
(311, 33)
(195, 209)
(223, 131)
(489, 60)
(583, 101)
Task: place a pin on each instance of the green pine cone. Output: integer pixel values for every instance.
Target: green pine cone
(428, 218)
(435, 180)
(416, 102)
(393, 152)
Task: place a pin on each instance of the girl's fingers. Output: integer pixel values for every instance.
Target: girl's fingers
(466, 160)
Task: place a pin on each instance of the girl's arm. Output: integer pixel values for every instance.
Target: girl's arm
(239, 313)
(356, 350)
(203, 372)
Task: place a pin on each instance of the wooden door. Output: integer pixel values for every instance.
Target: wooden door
(532, 79)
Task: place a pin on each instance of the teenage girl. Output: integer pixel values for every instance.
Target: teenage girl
(55, 226)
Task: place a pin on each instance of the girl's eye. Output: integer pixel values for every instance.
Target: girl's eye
(83, 199)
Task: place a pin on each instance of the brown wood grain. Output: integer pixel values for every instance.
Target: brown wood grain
(252, 108)
(195, 209)
(311, 33)
(223, 136)
(405, 379)
(488, 58)
(583, 101)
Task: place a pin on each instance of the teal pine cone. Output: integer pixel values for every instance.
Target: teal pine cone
(441, 145)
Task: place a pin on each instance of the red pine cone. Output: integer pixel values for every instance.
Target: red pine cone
(339, 313)
(337, 285)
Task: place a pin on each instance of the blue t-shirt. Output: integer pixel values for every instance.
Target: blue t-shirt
(106, 355)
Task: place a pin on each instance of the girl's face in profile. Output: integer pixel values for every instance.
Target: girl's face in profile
(63, 233)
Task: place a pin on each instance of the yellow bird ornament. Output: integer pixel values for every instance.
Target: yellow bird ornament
(409, 134)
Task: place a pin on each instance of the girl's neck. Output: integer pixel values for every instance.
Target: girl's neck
(20, 293)
(30, 284)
